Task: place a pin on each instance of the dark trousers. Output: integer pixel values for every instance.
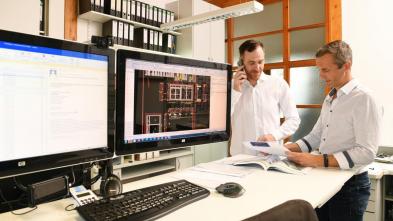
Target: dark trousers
(349, 203)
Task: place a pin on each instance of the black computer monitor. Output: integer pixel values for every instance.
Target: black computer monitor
(165, 102)
(54, 107)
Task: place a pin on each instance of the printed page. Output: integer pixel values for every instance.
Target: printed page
(267, 147)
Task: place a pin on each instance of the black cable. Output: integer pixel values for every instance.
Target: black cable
(18, 214)
(73, 177)
(68, 209)
(19, 185)
(10, 205)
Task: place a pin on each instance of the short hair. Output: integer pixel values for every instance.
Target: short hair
(249, 45)
(340, 50)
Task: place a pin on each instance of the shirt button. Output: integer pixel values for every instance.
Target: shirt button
(331, 111)
(327, 125)
(324, 139)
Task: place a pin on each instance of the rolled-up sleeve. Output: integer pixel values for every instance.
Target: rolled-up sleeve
(367, 119)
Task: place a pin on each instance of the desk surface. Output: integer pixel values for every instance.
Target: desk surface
(377, 170)
(264, 190)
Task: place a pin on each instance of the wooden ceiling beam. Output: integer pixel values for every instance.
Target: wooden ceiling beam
(226, 3)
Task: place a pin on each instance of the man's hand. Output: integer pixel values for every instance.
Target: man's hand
(305, 159)
(267, 137)
(239, 79)
(293, 147)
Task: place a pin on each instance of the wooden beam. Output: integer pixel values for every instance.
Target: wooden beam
(303, 63)
(229, 41)
(70, 19)
(226, 3)
(286, 40)
(277, 65)
(317, 25)
(309, 106)
(333, 20)
(257, 35)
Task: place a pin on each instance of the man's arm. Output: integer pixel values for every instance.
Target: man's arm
(310, 160)
(288, 108)
(367, 119)
(237, 83)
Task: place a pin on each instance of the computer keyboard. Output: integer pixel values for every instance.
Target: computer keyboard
(144, 204)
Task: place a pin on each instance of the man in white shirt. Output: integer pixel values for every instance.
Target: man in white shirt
(347, 133)
(257, 101)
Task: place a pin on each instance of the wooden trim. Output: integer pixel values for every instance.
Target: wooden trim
(225, 3)
(70, 19)
(266, 2)
(309, 106)
(256, 35)
(305, 27)
(277, 65)
(302, 63)
(333, 20)
(230, 27)
(286, 40)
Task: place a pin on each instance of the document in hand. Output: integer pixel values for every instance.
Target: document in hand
(267, 147)
(272, 163)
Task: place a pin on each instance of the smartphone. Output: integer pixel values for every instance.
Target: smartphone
(240, 63)
(260, 144)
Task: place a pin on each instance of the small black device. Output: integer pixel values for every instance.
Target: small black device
(240, 62)
(102, 42)
(42, 191)
(231, 189)
(149, 203)
(260, 144)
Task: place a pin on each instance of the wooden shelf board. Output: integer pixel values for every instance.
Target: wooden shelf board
(102, 18)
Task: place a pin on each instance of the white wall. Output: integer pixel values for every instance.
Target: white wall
(20, 16)
(367, 27)
(24, 16)
(56, 18)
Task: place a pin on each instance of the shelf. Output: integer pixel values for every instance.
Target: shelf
(102, 18)
(389, 198)
(116, 46)
(163, 156)
(143, 170)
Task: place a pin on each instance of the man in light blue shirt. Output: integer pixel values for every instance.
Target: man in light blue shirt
(347, 133)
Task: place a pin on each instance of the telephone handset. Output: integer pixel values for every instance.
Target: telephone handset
(240, 62)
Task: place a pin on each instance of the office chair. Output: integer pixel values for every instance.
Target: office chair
(292, 210)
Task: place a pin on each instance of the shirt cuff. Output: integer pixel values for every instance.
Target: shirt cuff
(342, 160)
(302, 145)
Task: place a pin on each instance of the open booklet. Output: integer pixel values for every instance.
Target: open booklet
(272, 162)
(266, 147)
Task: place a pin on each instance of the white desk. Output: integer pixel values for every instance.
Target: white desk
(264, 190)
(376, 205)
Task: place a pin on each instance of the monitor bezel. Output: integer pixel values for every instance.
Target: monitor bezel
(47, 162)
(132, 148)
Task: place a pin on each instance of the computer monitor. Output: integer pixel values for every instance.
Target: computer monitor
(54, 108)
(164, 102)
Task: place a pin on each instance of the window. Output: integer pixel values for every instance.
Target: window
(291, 31)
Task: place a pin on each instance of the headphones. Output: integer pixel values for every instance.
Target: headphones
(110, 183)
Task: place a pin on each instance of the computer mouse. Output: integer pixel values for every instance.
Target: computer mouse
(231, 189)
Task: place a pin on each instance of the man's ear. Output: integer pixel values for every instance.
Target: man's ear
(347, 65)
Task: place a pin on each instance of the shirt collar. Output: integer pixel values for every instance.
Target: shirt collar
(262, 78)
(346, 89)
